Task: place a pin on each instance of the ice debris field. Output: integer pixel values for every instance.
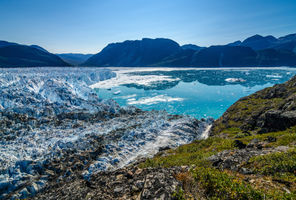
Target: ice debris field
(53, 126)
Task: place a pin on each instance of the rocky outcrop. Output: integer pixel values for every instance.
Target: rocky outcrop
(271, 109)
(236, 159)
(127, 183)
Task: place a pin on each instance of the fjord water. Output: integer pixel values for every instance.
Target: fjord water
(198, 93)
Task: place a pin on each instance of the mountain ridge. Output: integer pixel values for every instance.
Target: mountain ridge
(257, 50)
(254, 51)
(17, 55)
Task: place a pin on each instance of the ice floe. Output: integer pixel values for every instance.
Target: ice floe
(153, 100)
(234, 80)
(123, 77)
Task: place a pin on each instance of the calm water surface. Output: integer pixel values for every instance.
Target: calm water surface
(198, 93)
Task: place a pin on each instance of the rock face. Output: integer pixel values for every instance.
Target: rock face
(271, 109)
(15, 55)
(126, 183)
(236, 159)
(55, 128)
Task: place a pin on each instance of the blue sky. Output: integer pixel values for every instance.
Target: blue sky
(87, 26)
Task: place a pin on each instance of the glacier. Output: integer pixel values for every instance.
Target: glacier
(54, 126)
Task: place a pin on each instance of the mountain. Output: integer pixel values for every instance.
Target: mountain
(15, 55)
(145, 52)
(5, 43)
(236, 43)
(39, 47)
(257, 50)
(254, 51)
(221, 56)
(191, 46)
(74, 58)
(258, 42)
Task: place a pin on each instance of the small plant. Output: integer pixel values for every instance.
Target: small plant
(179, 194)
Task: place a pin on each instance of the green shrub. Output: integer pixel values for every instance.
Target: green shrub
(179, 194)
(273, 163)
(220, 185)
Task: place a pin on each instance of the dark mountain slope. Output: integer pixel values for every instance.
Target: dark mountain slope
(26, 56)
(258, 42)
(274, 57)
(192, 47)
(145, 52)
(39, 47)
(74, 58)
(5, 43)
(181, 58)
(220, 56)
(257, 50)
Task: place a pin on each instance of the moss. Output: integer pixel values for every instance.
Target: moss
(190, 154)
(279, 162)
(219, 185)
(179, 194)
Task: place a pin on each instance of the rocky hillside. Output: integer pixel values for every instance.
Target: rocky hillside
(271, 109)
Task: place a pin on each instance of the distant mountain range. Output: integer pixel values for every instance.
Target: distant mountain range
(74, 58)
(16, 55)
(254, 51)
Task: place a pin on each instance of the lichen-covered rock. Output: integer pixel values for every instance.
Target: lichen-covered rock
(236, 158)
(126, 183)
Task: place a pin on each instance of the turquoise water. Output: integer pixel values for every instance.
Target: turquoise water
(189, 96)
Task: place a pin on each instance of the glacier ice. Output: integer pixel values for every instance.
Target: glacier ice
(53, 125)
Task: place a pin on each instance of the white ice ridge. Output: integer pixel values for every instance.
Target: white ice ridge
(233, 80)
(274, 76)
(122, 77)
(153, 100)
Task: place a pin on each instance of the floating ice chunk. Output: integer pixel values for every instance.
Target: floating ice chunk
(123, 78)
(153, 100)
(128, 96)
(233, 80)
(116, 92)
(274, 76)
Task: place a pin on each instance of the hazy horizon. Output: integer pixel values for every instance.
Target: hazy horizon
(88, 26)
